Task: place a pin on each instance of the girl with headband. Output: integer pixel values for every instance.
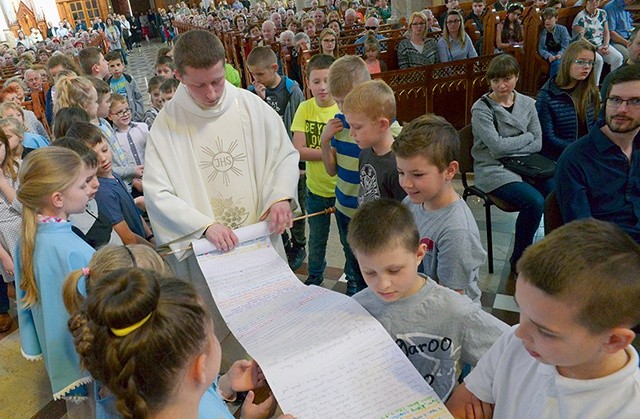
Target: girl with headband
(151, 342)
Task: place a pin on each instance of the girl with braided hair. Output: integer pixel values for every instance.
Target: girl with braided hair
(151, 342)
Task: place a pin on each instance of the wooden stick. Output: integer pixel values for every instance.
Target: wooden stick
(327, 211)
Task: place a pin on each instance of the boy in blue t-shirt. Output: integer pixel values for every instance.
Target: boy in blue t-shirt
(125, 85)
(113, 198)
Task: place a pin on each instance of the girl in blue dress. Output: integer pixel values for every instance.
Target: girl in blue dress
(53, 183)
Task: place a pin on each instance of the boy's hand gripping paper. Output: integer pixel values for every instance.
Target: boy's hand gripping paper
(322, 353)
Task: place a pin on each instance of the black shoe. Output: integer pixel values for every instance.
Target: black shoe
(295, 257)
(352, 288)
(314, 280)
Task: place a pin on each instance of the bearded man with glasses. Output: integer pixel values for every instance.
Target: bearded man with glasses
(599, 175)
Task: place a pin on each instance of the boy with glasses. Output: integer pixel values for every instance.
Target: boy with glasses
(132, 137)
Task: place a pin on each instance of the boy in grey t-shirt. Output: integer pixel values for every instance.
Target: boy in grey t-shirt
(426, 154)
(435, 327)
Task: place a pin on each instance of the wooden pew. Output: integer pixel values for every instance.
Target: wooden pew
(389, 55)
(472, 30)
(446, 89)
(38, 106)
(490, 23)
(535, 69)
(392, 33)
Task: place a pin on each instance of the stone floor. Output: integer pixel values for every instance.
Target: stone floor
(24, 387)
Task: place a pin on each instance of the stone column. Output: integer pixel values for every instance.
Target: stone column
(404, 8)
(7, 14)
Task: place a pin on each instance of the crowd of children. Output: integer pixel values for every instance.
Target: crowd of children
(411, 245)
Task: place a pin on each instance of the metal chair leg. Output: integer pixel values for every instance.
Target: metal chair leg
(487, 209)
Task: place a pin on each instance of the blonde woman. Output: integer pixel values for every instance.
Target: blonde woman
(455, 44)
(417, 50)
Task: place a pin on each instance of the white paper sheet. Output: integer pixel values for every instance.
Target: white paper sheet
(323, 354)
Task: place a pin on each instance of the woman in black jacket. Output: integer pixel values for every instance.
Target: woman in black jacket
(568, 103)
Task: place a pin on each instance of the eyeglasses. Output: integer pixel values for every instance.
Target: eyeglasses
(122, 112)
(371, 28)
(328, 40)
(418, 24)
(453, 21)
(584, 63)
(616, 102)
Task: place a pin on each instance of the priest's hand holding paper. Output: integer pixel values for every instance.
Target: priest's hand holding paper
(281, 217)
(223, 238)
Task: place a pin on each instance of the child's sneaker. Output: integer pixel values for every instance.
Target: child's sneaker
(295, 257)
(314, 280)
(352, 287)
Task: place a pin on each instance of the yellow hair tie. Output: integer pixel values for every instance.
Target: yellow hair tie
(126, 330)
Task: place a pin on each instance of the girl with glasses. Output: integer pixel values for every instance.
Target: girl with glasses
(455, 44)
(568, 103)
(329, 43)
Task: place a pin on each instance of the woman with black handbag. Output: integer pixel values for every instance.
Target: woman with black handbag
(507, 139)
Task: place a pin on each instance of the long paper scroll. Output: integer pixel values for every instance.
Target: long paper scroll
(323, 354)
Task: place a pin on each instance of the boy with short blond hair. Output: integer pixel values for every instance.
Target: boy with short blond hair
(284, 96)
(340, 156)
(370, 109)
(427, 153)
(571, 355)
(310, 119)
(435, 328)
(125, 85)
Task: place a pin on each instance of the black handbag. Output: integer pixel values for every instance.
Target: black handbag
(532, 167)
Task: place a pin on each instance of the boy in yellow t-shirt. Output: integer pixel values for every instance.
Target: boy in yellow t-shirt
(311, 117)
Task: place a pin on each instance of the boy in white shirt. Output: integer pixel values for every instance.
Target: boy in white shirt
(132, 137)
(571, 354)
